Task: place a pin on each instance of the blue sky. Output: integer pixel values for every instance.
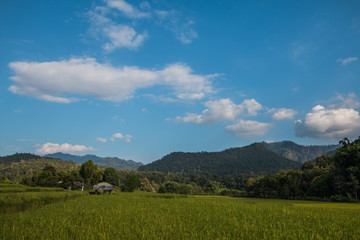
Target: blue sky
(141, 79)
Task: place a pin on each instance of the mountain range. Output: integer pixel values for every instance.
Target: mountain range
(113, 162)
(256, 158)
(299, 153)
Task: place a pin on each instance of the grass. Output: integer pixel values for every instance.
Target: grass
(16, 197)
(154, 216)
(12, 188)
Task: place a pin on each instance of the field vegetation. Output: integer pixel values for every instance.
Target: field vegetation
(16, 197)
(141, 215)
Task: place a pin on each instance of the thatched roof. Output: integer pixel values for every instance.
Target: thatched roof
(104, 186)
(77, 183)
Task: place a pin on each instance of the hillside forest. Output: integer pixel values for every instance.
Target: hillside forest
(329, 177)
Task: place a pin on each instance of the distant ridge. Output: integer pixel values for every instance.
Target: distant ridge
(17, 157)
(299, 153)
(20, 165)
(103, 161)
(255, 158)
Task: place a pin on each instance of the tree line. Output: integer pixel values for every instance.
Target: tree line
(329, 177)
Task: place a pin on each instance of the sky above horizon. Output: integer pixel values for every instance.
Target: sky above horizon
(141, 79)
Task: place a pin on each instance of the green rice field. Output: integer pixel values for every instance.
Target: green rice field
(142, 215)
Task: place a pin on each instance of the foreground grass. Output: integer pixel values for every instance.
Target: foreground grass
(154, 216)
(16, 197)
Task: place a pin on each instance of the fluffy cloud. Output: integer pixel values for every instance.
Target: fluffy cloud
(282, 113)
(53, 81)
(329, 123)
(222, 110)
(346, 61)
(123, 36)
(102, 140)
(115, 35)
(126, 138)
(49, 148)
(343, 101)
(105, 26)
(248, 129)
(127, 9)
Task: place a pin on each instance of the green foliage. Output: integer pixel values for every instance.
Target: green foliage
(110, 176)
(113, 162)
(299, 153)
(17, 157)
(16, 197)
(347, 167)
(169, 216)
(89, 172)
(4, 179)
(253, 158)
(16, 170)
(132, 182)
(335, 177)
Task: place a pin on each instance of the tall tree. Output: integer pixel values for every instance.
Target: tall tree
(132, 182)
(110, 176)
(89, 172)
(347, 167)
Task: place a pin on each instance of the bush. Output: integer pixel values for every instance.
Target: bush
(132, 182)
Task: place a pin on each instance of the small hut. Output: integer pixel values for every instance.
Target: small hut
(79, 184)
(104, 186)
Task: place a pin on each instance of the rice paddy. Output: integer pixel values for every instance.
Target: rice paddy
(142, 215)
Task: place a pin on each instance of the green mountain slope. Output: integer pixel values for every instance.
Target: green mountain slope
(299, 153)
(253, 158)
(16, 170)
(17, 157)
(106, 161)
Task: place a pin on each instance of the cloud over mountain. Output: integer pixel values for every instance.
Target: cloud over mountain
(282, 113)
(222, 110)
(329, 123)
(49, 148)
(248, 128)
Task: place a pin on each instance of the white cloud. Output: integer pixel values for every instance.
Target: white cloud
(298, 51)
(49, 148)
(349, 101)
(346, 61)
(248, 129)
(282, 113)
(251, 106)
(115, 35)
(56, 81)
(102, 140)
(104, 22)
(222, 110)
(126, 138)
(184, 31)
(127, 9)
(123, 36)
(329, 123)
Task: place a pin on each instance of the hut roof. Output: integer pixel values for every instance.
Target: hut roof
(77, 183)
(103, 186)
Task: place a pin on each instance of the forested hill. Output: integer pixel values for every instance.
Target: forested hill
(113, 162)
(299, 153)
(253, 158)
(18, 166)
(17, 157)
